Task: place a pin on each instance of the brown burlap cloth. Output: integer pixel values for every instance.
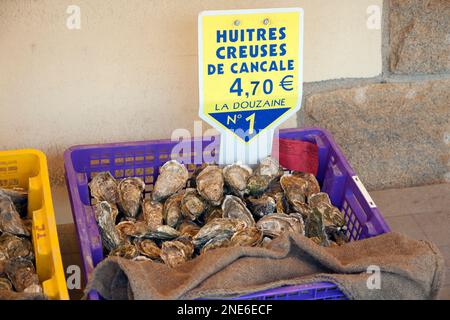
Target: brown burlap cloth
(410, 269)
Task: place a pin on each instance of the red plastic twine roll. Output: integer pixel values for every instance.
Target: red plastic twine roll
(297, 155)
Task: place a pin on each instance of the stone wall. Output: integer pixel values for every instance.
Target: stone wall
(394, 128)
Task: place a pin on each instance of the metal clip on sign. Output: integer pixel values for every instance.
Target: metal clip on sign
(250, 76)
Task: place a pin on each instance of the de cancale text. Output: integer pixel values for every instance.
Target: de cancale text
(259, 48)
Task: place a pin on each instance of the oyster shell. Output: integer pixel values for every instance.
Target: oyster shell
(217, 228)
(130, 196)
(210, 184)
(5, 284)
(21, 273)
(332, 216)
(317, 199)
(337, 235)
(34, 288)
(152, 213)
(177, 252)
(192, 181)
(265, 242)
(15, 247)
(262, 206)
(221, 241)
(269, 167)
(104, 187)
(312, 185)
(294, 188)
(10, 221)
(172, 210)
(212, 213)
(276, 224)
(315, 228)
(301, 207)
(257, 185)
(282, 205)
(192, 205)
(127, 251)
(189, 228)
(233, 207)
(172, 178)
(106, 215)
(247, 237)
(19, 197)
(162, 232)
(126, 229)
(236, 176)
(148, 248)
(3, 256)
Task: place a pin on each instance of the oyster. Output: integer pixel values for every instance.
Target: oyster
(192, 181)
(34, 288)
(210, 183)
(217, 228)
(314, 228)
(15, 247)
(332, 216)
(126, 229)
(265, 242)
(236, 176)
(318, 199)
(5, 284)
(233, 207)
(106, 215)
(337, 235)
(261, 206)
(192, 205)
(276, 224)
(212, 213)
(294, 188)
(10, 221)
(130, 196)
(148, 248)
(221, 241)
(127, 251)
(247, 237)
(141, 258)
(312, 185)
(257, 185)
(3, 256)
(301, 207)
(269, 167)
(172, 210)
(162, 232)
(19, 197)
(172, 178)
(188, 227)
(21, 273)
(177, 252)
(152, 213)
(282, 205)
(104, 187)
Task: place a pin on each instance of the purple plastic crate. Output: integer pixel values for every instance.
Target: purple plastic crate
(143, 159)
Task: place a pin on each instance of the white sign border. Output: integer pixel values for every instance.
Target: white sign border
(287, 115)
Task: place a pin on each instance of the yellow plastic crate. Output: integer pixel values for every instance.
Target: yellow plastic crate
(28, 169)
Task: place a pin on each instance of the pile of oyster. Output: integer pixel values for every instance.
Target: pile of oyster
(213, 208)
(17, 265)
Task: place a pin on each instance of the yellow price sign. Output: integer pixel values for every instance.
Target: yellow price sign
(250, 69)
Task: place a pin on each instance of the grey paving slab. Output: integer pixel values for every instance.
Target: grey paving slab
(436, 227)
(416, 200)
(406, 225)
